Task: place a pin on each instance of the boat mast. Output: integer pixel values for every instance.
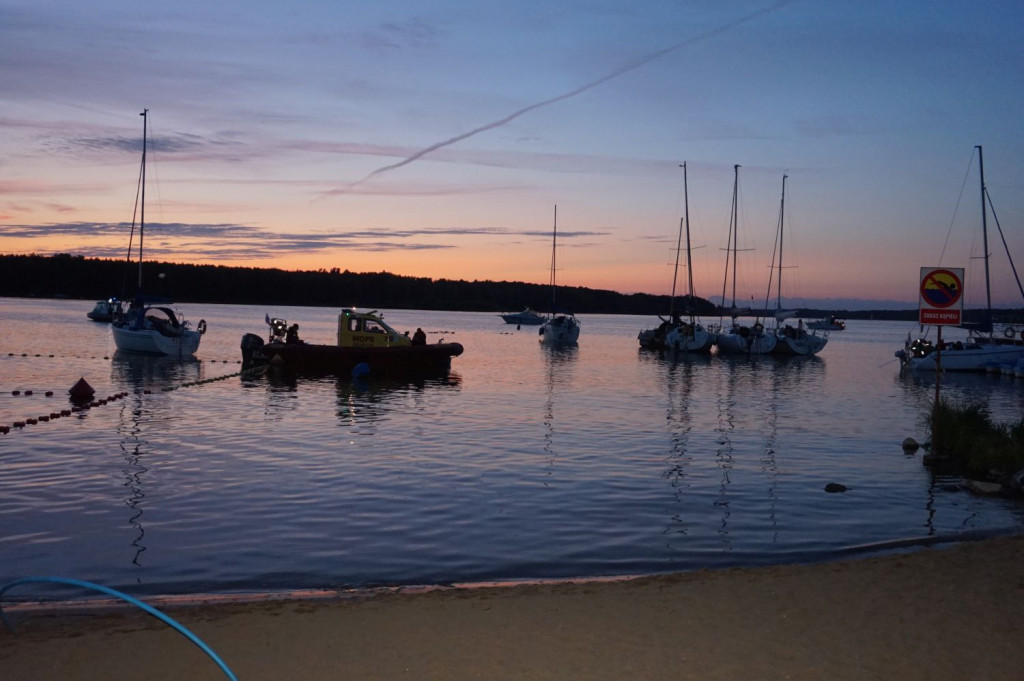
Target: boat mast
(554, 238)
(984, 239)
(679, 243)
(689, 256)
(733, 242)
(142, 212)
(782, 212)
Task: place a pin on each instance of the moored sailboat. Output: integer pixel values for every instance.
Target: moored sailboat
(560, 327)
(739, 339)
(987, 344)
(148, 325)
(673, 333)
(791, 340)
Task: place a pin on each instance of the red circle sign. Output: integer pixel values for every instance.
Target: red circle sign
(941, 288)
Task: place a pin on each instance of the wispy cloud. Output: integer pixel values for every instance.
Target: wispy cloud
(626, 68)
(211, 242)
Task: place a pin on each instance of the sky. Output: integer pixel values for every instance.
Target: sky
(435, 138)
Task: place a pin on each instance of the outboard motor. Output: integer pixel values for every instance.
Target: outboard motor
(251, 342)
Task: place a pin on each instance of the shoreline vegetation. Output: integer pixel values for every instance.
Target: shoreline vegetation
(950, 612)
(965, 439)
(65, 275)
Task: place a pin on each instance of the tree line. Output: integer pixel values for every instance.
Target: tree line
(75, 276)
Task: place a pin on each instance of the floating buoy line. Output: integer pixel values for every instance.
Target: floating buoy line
(83, 399)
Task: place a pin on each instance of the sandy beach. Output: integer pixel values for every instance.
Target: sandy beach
(944, 612)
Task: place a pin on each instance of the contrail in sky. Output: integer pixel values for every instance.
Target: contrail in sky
(604, 79)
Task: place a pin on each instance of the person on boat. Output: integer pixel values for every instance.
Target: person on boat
(292, 334)
(419, 338)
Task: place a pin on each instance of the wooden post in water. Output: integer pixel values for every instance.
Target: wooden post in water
(938, 365)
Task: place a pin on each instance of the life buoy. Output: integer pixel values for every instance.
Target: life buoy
(201, 327)
(1009, 332)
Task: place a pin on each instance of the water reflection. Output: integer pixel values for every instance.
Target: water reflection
(133, 450)
(558, 369)
(678, 378)
(360, 402)
(153, 372)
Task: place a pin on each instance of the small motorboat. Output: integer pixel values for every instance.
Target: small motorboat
(830, 324)
(526, 318)
(365, 345)
(105, 310)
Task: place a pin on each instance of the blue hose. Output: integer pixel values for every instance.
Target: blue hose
(124, 597)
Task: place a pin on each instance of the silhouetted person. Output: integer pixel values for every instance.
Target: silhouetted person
(419, 338)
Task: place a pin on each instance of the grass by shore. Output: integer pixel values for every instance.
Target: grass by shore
(964, 435)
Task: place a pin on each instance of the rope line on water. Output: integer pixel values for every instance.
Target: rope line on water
(124, 597)
(84, 406)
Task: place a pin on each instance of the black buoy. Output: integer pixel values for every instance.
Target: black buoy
(81, 390)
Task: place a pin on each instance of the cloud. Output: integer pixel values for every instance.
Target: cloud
(626, 68)
(223, 241)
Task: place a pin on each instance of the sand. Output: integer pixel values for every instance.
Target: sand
(949, 612)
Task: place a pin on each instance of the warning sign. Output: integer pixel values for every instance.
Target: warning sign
(942, 295)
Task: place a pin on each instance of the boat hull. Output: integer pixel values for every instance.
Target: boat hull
(560, 330)
(969, 358)
(152, 342)
(395, 361)
(796, 343)
(525, 318)
(689, 339)
(749, 343)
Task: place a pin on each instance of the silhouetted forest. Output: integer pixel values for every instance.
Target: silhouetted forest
(64, 275)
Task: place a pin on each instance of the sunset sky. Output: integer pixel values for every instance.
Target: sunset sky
(434, 137)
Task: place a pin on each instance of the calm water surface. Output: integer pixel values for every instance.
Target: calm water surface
(524, 463)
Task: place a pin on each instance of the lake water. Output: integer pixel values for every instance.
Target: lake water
(525, 463)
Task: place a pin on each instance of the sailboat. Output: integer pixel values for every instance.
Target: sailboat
(560, 327)
(791, 340)
(738, 339)
(673, 333)
(148, 325)
(985, 346)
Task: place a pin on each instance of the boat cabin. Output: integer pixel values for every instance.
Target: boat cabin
(367, 330)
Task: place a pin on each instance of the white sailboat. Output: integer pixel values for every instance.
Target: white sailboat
(560, 327)
(149, 326)
(986, 345)
(737, 339)
(674, 334)
(791, 340)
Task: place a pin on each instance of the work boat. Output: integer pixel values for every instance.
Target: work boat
(105, 310)
(987, 345)
(832, 323)
(738, 339)
(365, 345)
(789, 339)
(674, 334)
(560, 327)
(148, 325)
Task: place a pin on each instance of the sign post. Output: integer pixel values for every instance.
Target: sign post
(941, 302)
